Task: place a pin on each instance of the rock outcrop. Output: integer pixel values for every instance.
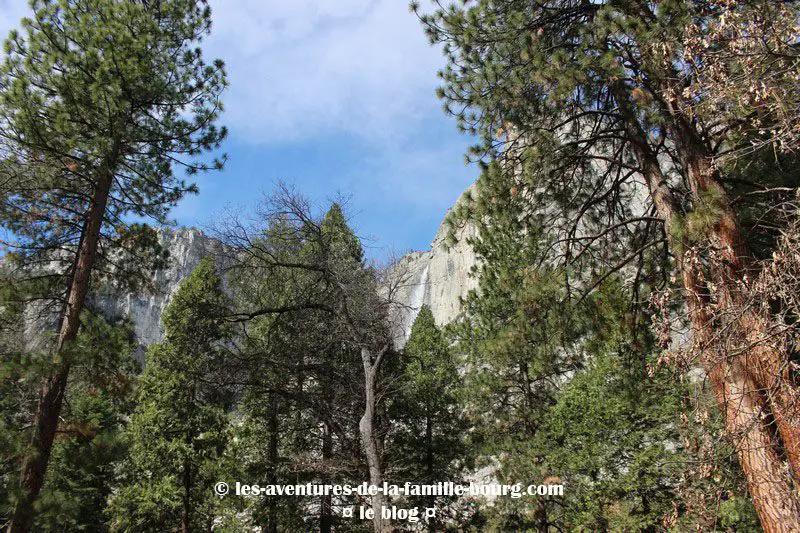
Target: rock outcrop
(187, 246)
(439, 277)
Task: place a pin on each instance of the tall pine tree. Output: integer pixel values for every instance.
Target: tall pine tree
(593, 107)
(178, 431)
(100, 100)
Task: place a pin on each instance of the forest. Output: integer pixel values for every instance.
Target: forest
(632, 334)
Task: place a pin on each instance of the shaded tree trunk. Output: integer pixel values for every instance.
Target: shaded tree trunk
(272, 462)
(325, 514)
(429, 466)
(186, 475)
(325, 508)
(541, 522)
(186, 509)
(53, 388)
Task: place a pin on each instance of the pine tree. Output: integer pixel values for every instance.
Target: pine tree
(89, 443)
(361, 312)
(564, 389)
(99, 100)
(337, 307)
(178, 431)
(302, 400)
(591, 107)
(427, 441)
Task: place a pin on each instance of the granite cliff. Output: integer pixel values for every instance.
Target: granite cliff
(438, 277)
(187, 246)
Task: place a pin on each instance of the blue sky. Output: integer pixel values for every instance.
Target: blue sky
(333, 96)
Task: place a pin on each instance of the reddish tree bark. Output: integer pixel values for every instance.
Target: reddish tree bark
(748, 330)
(736, 379)
(53, 388)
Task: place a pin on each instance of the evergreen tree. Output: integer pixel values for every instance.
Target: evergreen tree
(564, 389)
(426, 445)
(99, 100)
(591, 108)
(179, 429)
(325, 317)
(301, 403)
(360, 312)
(89, 443)
(616, 437)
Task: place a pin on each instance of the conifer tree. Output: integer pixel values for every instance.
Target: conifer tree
(302, 399)
(99, 101)
(274, 431)
(427, 441)
(561, 391)
(591, 107)
(89, 443)
(178, 431)
(322, 260)
(361, 313)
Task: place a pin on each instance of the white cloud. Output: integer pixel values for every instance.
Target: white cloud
(311, 68)
(358, 74)
(304, 69)
(11, 12)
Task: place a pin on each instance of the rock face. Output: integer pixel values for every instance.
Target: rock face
(187, 246)
(438, 277)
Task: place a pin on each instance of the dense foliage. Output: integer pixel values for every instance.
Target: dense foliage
(100, 102)
(649, 144)
(178, 430)
(632, 337)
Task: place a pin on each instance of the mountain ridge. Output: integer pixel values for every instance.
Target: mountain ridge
(438, 277)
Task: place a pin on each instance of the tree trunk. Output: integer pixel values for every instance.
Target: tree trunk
(740, 400)
(366, 429)
(53, 388)
(742, 405)
(325, 512)
(766, 363)
(540, 520)
(272, 462)
(326, 503)
(186, 509)
(429, 466)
